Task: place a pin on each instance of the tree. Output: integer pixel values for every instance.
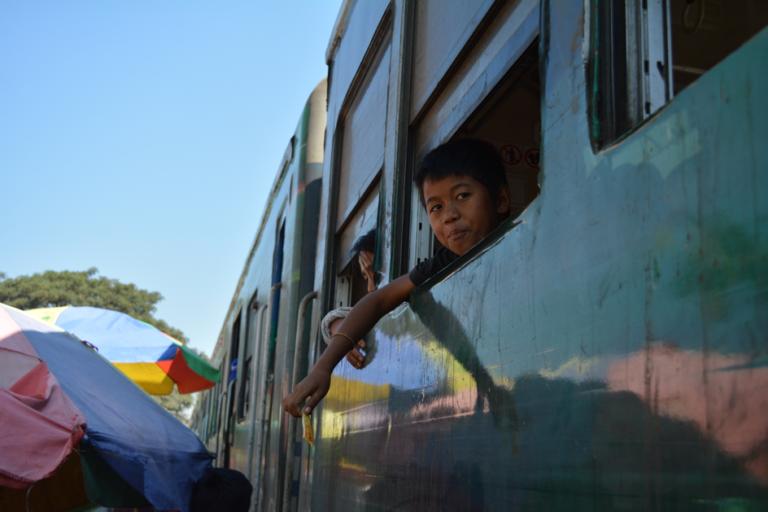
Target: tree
(176, 404)
(56, 289)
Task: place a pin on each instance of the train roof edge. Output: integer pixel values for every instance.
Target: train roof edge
(318, 94)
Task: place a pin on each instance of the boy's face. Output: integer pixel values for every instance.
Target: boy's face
(461, 210)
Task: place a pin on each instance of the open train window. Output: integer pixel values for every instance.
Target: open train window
(645, 52)
(251, 336)
(510, 121)
(704, 32)
(351, 286)
(360, 142)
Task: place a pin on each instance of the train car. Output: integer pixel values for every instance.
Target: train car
(605, 348)
(255, 349)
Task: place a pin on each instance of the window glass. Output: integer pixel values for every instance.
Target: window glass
(645, 52)
(362, 151)
(441, 33)
(704, 32)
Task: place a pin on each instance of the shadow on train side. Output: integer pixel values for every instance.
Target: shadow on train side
(594, 444)
(606, 471)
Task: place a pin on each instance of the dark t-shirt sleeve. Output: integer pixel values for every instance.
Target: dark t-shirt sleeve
(432, 266)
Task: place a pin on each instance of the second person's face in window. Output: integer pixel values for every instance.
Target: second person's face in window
(365, 259)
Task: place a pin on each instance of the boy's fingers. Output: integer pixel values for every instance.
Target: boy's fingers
(292, 402)
(361, 344)
(291, 408)
(353, 360)
(311, 404)
(292, 405)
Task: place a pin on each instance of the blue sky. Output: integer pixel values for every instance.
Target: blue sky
(140, 137)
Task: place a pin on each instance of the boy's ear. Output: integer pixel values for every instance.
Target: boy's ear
(503, 199)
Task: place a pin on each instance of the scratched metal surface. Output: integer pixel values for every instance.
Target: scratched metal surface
(607, 351)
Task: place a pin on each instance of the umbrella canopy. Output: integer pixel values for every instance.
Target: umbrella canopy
(129, 439)
(152, 359)
(31, 400)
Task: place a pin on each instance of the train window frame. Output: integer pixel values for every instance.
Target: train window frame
(637, 53)
(380, 45)
(522, 65)
(629, 66)
(465, 100)
(249, 354)
(473, 254)
(347, 273)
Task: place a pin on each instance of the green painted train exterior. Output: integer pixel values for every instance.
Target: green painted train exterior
(244, 433)
(605, 349)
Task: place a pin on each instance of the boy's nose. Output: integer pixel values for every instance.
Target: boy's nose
(451, 213)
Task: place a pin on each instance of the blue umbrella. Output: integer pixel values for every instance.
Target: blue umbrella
(128, 433)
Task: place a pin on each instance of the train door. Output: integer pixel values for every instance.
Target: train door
(250, 360)
(229, 425)
(263, 489)
(217, 413)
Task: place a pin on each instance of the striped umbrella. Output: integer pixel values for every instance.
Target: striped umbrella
(151, 358)
(75, 430)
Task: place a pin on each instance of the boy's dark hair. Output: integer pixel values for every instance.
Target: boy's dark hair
(463, 157)
(365, 243)
(221, 489)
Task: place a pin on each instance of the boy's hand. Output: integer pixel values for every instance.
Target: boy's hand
(354, 356)
(315, 385)
(360, 321)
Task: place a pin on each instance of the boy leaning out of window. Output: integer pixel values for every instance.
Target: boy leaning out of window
(464, 190)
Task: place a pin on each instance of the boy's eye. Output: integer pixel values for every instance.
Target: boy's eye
(463, 195)
(435, 208)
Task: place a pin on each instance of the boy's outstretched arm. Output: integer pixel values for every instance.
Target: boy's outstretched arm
(358, 323)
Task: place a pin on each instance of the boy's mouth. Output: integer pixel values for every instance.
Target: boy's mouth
(456, 234)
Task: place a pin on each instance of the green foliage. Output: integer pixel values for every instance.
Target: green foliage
(55, 289)
(176, 404)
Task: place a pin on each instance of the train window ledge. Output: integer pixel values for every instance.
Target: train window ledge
(482, 247)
